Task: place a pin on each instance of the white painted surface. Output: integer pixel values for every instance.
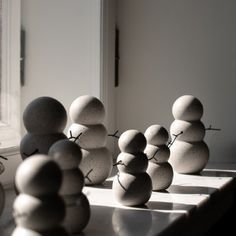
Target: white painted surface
(62, 57)
(171, 48)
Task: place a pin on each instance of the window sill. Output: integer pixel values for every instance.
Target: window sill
(190, 207)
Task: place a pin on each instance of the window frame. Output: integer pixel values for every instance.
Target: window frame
(10, 78)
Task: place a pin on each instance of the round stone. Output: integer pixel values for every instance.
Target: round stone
(45, 115)
(39, 214)
(2, 199)
(92, 136)
(158, 154)
(132, 163)
(20, 231)
(156, 135)
(189, 158)
(187, 108)
(73, 182)
(87, 110)
(96, 165)
(161, 175)
(132, 190)
(66, 153)
(34, 172)
(193, 131)
(77, 214)
(38, 143)
(132, 141)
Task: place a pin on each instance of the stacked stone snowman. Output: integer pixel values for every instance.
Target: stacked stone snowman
(157, 151)
(189, 153)
(132, 185)
(87, 113)
(38, 209)
(45, 119)
(68, 156)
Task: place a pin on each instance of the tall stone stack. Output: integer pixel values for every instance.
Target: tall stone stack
(158, 153)
(189, 153)
(45, 119)
(87, 113)
(68, 156)
(132, 185)
(38, 209)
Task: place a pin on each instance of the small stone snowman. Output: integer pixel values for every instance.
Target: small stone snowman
(158, 153)
(87, 113)
(132, 185)
(189, 153)
(38, 209)
(68, 156)
(45, 119)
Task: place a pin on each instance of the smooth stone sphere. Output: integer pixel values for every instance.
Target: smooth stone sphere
(66, 154)
(93, 136)
(39, 214)
(132, 163)
(193, 131)
(132, 141)
(45, 115)
(189, 158)
(73, 182)
(34, 172)
(161, 175)
(40, 144)
(98, 163)
(162, 153)
(2, 199)
(156, 135)
(19, 231)
(132, 190)
(87, 110)
(77, 214)
(187, 108)
(125, 223)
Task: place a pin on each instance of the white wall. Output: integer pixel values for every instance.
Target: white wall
(170, 48)
(62, 49)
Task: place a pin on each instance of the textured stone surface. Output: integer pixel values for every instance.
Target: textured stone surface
(45, 115)
(87, 110)
(187, 108)
(33, 143)
(161, 175)
(67, 154)
(132, 141)
(19, 231)
(77, 214)
(38, 214)
(132, 190)
(157, 154)
(38, 176)
(132, 163)
(93, 136)
(98, 163)
(189, 158)
(2, 199)
(73, 182)
(193, 131)
(156, 135)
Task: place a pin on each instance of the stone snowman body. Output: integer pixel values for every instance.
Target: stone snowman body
(157, 151)
(2, 193)
(44, 119)
(68, 156)
(189, 153)
(132, 185)
(38, 209)
(87, 113)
